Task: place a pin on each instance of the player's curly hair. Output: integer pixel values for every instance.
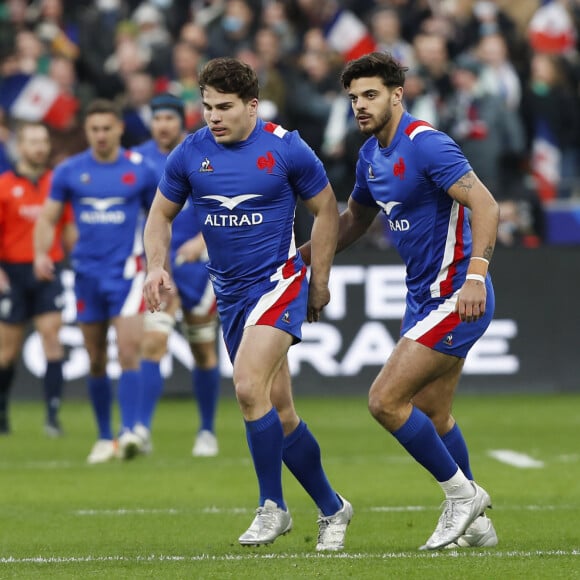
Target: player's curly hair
(230, 75)
(375, 64)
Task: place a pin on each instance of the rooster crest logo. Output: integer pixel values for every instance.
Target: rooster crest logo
(206, 166)
(266, 162)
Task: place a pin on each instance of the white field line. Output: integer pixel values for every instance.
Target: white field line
(384, 459)
(214, 510)
(515, 458)
(307, 556)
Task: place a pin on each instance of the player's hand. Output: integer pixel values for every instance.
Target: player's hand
(471, 301)
(318, 298)
(193, 250)
(43, 267)
(156, 284)
(4, 281)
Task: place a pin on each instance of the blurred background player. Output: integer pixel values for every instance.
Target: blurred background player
(22, 296)
(108, 188)
(187, 263)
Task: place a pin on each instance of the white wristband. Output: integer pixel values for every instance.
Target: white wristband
(477, 277)
(480, 258)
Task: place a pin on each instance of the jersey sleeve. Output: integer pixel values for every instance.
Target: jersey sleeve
(174, 184)
(443, 159)
(361, 193)
(59, 190)
(307, 174)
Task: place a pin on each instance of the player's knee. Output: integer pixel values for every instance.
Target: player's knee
(200, 333)
(153, 350)
(247, 391)
(380, 405)
(158, 323)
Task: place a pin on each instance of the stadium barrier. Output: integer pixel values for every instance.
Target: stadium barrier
(531, 344)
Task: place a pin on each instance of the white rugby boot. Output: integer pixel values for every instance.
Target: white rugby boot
(457, 516)
(144, 434)
(479, 534)
(129, 445)
(102, 451)
(206, 445)
(269, 523)
(332, 529)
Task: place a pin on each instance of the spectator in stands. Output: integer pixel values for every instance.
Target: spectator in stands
(140, 88)
(184, 82)
(271, 72)
(482, 125)
(195, 35)
(275, 17)
(419, 98)
(385, 27)
(499, 75)
(551, 113)
(153, 38)
(60, 35)
(98, 34)
(31, 53)
(233, 30)
(23, 297)
(433, 61)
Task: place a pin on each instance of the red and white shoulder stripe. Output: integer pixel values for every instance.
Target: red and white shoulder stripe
(277, 130)
(418, 127)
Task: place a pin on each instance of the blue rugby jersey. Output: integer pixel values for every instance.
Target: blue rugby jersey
(245, 196)
(107, 200)
(409, 180)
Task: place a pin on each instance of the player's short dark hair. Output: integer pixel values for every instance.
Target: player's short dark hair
(101, 106)
(230, 75)
(21, 127)
(375, 64)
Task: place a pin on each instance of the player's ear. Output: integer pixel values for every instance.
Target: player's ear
(397, 96)
(253, 105)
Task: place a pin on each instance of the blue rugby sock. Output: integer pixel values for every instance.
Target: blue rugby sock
(52, 384)
(301, 454)
(101, 395)
(457, 447)
(206, 390)
(265, 439)
(152, 387)
(129, 396)
(419, 438)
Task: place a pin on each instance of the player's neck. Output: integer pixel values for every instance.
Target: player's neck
(31, 172)
(387, 134)
(108, 157)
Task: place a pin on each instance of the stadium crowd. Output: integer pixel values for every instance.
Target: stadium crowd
(501, 78)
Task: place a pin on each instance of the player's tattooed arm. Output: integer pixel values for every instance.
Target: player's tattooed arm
(466, 182)
(473, 194)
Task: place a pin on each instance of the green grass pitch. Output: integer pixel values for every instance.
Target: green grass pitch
(170, 515)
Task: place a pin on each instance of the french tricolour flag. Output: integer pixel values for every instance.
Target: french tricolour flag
(546, 162)
(346, 34)
(551, 29)
(37, 98)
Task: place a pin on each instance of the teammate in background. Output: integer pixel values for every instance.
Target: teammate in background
(195, 294)
(243, 177)
(421, 180)
(108, 188)
(23, 297)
